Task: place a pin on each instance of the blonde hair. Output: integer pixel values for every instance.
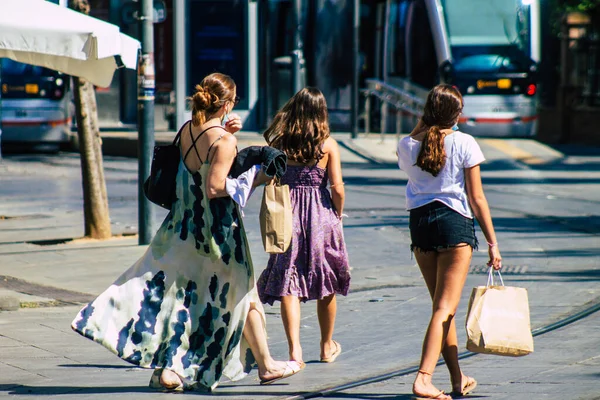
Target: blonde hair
(301, 126)
(214, 90)
(442, 109)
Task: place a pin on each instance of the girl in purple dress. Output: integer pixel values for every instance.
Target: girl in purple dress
(315, 266)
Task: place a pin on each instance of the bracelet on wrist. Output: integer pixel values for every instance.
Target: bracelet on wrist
(492, 244)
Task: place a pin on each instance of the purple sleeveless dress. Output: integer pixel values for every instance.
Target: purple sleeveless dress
(316, 263)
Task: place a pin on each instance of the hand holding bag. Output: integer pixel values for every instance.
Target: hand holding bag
(160, 186)
(498, 320)
(276, 218)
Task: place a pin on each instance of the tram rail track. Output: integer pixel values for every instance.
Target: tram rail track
(587, 310)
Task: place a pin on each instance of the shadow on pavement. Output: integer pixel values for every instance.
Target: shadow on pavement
(576, 150)
(374, 181)
(100, 366)
(563, 166)
(583, 275)
(372, 396)
(539, 181)
(591, 252)
(583, 223)
(17, 389)
(369, 165)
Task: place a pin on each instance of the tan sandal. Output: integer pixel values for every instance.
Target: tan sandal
(334, 355)
(441, 395)
(180, 386)
(469, 386)
(291, 368)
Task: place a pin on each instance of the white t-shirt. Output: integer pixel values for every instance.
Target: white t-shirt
(462, 151)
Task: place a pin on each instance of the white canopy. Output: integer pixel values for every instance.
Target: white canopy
(42, 33)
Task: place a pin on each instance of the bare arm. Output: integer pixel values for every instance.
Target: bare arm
(221, 162)
(334, 171)
(481, 210)
(418, 128)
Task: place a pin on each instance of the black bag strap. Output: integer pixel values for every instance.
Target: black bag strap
(178, 136)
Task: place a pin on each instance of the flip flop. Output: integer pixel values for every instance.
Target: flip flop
(291, 368)
(334, 355)
(468, 388)
(302, 364)
(437, 396)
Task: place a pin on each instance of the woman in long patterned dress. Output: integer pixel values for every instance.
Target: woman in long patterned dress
(315, 266)
(189, 307)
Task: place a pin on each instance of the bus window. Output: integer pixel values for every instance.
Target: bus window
(36, 105)
(24, 81)
(496, 39)
(423, 61)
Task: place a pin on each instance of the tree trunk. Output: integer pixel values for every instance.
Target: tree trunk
(95, 199)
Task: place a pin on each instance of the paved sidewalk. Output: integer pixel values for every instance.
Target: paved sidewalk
(380, 324)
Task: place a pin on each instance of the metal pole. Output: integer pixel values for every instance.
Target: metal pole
(146, 86)
(563, 109)
(179, 60)
(297, 56)
(367, 114)
(355, 66)
(0, 112)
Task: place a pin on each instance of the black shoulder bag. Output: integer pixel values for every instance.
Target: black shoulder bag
(160, 186)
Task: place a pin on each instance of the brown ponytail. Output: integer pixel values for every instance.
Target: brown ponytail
(432, 155)
(442, 109)
(211, 94)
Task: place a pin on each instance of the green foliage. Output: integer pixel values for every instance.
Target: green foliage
(584, 6)
(562, 7)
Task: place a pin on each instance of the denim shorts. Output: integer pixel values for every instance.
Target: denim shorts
(436, 226)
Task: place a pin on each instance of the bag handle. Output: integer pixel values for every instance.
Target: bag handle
(490, 280)
(177, 137)
(274, 182)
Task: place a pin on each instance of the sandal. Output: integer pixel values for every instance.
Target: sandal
(437, 396)
(182, 385)
(291, 368)
(469, 386)
(441, 395)
(334, 355)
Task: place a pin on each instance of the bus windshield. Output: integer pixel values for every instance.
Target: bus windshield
(489, 36)
(24, 81)
(12, 68)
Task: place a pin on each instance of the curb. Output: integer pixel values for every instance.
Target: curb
(351, 146)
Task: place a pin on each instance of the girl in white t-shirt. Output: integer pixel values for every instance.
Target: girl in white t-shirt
(443, 193)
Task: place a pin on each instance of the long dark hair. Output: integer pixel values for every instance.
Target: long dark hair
(442, 109)
(301, 126)
(214, 91)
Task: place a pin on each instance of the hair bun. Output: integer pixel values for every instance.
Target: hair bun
(203, 99)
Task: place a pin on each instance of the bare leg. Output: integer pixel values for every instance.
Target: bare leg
(290, 315)
(450, 270)
(450, 349)
(254, 332)
(326, 311)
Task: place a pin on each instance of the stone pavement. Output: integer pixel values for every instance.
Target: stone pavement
(380, 324)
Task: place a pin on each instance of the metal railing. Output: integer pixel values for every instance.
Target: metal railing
(406, 102)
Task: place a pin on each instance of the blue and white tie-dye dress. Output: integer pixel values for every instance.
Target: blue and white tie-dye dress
(183, 304)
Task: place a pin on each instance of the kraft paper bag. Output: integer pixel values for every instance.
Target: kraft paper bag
(276, 218)
(498, 320)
